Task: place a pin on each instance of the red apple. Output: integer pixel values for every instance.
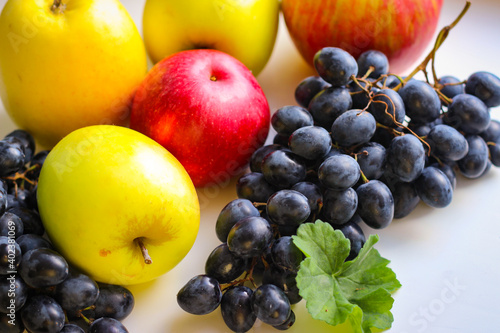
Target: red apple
(402, 29)
(207, 109)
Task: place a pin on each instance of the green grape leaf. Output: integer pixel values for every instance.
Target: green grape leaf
(336, 290)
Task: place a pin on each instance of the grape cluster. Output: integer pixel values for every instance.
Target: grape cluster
(39, 290)
(362, 145)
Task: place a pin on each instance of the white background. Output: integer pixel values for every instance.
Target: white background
(446, 259)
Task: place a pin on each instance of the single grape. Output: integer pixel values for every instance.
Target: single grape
(447, 143)
(6, 324)
(11, 158)
(283, 169)
(288, 323)
(250, 237)
(340, 205)
(448, 171)
(375, 204)
(313, 194)
(42, 313)
(492, 132)
(468, 114)
(451, 86)
(476, 160)
(31, 220)
(434, 188)
(259, 154)
(339, 172)
(281, 140)
(422, 103)
(107, 325)
(71, 328)
(77, 292)
(329, 104)
(11, 225)
(353, 232)
(10, 255)
(485, 86)
(405, 197)
(373, 58)
(27, 141)
(288, 207)
(29, 242)
(254, 187)
(288, 119)
(405, 157)
(371, 159)
(308, 88)
(310, 142)
(286, 255)
(200, 295)
(233, 212)
(353, 127)
(270, 304)
(13, 293)
(223, 265)
(335, 66)
(283, 279)
(114, 301)
(43, 267)
(388, 108)
(236, 309)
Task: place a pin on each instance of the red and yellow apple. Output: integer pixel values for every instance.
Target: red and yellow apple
(401, 29)
(207, 109)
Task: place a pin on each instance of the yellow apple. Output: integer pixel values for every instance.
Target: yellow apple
(112, 199)
(246, 29)
(68, 64)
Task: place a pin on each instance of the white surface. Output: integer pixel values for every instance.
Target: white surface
(446, 259)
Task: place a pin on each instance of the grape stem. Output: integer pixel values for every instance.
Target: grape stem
(443, 34)
(144, 251)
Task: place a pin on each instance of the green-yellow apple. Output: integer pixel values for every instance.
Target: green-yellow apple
(246, 29)
(207, 109)
(402, 29)
(112, 200)
(66, 64)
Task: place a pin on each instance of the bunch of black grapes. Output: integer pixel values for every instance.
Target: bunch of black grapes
(39, 290)
(362, 146)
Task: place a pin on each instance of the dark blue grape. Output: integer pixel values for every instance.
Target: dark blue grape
(29, 242)
(72, 328)
(223, 265)
(236, 309)
(451, 86)
(468, 114)
(10, 255)
(422, 103)
(234, 211)
(310, 142)
(328, 105)
(313, 194)
(27, 141)
(31, 220)
(494, 149)
(375, 204)
(371, 160)
(6, 324)
(383, 136)
(476, 160)
(289, 118)
(250, 237)
(11, 158)
(283, 279)
(288, 323)
(353, 127)
(270, 304)
(13, 293)
(360, 97)
(373, 58)
(448, 171)
(405, 197)
(286, 255)
(77, 292)
(200, 295)
(405, 157)
(339, 172)
(335, 66)
(447, 143)
(254, 187)
(43, 267)
(485, 86)
(281, 140)
(42, 314)
(113, 302)
(353, 232)
(259, 154)
(107, 325)
(288, 208)
(339, 206)
(492, 132)
(434, 188)
(283, 169)
(11, 225)
(391, 82)
(387, 108)
(308, 88)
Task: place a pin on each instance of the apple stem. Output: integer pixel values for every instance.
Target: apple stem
(57, 7)
(144, 251)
